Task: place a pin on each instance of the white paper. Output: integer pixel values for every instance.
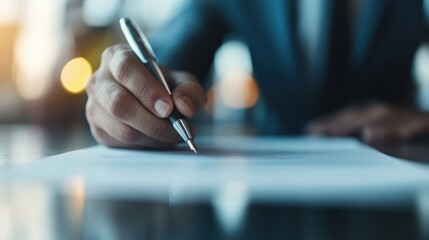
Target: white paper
(298, 169)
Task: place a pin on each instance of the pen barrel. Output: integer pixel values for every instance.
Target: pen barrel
(153, 68)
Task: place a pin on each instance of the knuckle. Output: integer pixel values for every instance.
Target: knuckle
(125, 66)
(120, 47)
(119, 106)
(108, 53)
(127, 136)
(145, 92)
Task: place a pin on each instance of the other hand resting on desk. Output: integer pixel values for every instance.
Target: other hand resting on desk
(375, 122)
(126, 105)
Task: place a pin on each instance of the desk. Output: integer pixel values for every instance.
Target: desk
(33, 210)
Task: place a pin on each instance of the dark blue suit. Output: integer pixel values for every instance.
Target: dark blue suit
(378, 65)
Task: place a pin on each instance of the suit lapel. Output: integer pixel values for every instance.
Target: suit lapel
(369, 22)
(318, 75)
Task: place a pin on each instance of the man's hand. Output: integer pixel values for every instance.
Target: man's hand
(126, 105)
(374, 123)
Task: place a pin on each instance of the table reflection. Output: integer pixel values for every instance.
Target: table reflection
(21, 144)
(67, 210)
(39, 211)
(26, 211)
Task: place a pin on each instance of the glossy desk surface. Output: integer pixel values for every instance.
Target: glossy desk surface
(34, 210)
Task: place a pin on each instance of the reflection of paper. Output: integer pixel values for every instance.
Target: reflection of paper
(269, 169)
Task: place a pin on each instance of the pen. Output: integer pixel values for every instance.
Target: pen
(141, 47)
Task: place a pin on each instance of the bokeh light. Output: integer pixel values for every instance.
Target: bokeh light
(38, 47)
(75, 188)
(421, 75)
(239, 90)
(9, 11)
(75, 75)
(234, 90)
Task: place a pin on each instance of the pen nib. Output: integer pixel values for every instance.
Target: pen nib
(192, 146)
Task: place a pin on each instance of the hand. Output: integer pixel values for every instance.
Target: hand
(374, 123)
(126, 105)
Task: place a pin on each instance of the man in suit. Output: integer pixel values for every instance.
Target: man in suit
(326, 67)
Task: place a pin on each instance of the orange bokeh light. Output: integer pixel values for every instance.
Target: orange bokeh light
(239, 90)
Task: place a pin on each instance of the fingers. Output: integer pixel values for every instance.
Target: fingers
(406, 127)
(348, 121)
(380, 131)
(104, 138)
(376, 122)
(130, 72)
(188, 96)
(112, 132)
(337, 124)
(105, 93)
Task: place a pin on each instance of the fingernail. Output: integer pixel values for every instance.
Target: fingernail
(188, 103)
(162, 107)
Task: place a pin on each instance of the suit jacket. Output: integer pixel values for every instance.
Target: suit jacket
(379, 64)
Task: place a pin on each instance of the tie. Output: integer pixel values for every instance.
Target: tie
(338, 66)
(340, 41)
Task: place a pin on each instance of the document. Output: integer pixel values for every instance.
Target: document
(288, 169)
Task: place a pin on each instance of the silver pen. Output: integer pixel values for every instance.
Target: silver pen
(141, 47)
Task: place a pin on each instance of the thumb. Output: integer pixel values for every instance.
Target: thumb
(188, 95)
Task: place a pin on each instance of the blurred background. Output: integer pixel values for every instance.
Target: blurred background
(49, 48)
